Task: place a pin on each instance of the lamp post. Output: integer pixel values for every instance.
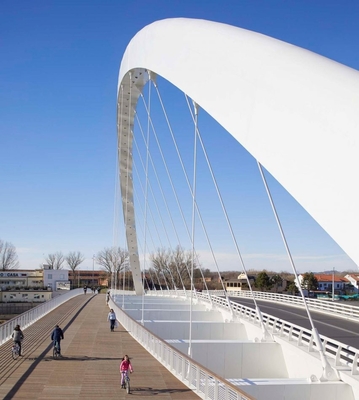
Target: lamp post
(93, 270)
(333, 286)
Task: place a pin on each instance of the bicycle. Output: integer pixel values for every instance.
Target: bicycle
(56, 350)
(126, 379)
(15, 351)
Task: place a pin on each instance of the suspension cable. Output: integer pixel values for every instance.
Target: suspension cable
(146, 194)
(164, 200)
(154, 197)
(183, 169)
(168, 173)
(266, 334)
(150, 212)
(142, 230)
(329, 373)
(193, 222)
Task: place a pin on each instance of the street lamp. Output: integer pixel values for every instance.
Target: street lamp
(333, 286)
(93, 269)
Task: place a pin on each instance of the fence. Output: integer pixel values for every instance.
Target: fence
(343, 354)
(28, 318)
(199, 379)
(325, 306)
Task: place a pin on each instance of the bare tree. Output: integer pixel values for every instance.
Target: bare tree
(55, 260)
(161, 262)
(113, 260)
(174, 265)
(73, 260)
(8, 256)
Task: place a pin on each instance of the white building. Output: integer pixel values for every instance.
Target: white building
(56, 279)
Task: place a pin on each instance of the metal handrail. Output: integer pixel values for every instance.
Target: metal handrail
(344, 355)
(325, 306)
(200, 380)
(29, 317)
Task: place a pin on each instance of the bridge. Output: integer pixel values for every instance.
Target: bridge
(215, 347)
(294, 112)
(89, 368)
(226, 343)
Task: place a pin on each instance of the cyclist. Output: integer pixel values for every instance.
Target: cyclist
(124, 367)
(17, 337)
(56, 337)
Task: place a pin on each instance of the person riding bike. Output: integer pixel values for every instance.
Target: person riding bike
(124, 367)
(56, 337)
(17, 337)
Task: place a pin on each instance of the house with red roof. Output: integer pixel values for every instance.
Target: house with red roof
(326, 281)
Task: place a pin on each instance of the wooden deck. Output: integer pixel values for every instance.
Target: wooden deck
(89, 368)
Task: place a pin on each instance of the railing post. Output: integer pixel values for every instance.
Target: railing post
(216, 389)
(337, 356)
(355, 365)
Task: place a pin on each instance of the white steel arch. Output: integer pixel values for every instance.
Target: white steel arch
(296, 112)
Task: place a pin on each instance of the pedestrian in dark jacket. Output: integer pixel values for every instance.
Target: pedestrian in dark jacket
(17, 337)
(56, 337)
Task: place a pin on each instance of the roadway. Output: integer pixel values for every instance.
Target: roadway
(340, 329)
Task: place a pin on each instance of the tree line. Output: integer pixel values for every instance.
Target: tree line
(169, 268)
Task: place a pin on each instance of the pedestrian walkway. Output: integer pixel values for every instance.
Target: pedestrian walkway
(89, 368)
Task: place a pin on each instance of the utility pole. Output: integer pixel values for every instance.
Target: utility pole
(93, 270)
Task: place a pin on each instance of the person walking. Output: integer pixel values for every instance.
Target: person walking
(112, 318)
(124, 367)
(17, 337)
(56, 336)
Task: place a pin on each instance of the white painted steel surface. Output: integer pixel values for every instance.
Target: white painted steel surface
(296, 112)
(199, 379)
(30, 317)
(298, 354)
(200, 330)
(343, 354)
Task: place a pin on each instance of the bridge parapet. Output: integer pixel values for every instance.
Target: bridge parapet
(325, 306)
(295, 340)
(29, 317)
(203, 382)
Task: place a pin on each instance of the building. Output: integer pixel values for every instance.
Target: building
(326, 281)
(21, 278)
(39, 285)
(241, 283)
(89, 278)
(56, 279)
(25, 296)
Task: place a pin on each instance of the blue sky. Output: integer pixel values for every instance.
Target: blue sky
(58, 80)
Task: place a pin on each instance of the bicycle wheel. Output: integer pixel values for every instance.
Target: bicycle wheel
(55, 353)
(127, 385)
(15, 352)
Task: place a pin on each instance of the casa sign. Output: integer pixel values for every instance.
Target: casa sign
(9, 274)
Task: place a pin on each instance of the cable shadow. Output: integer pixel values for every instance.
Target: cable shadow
(149, 391)
(36, 362)
(80, 358)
